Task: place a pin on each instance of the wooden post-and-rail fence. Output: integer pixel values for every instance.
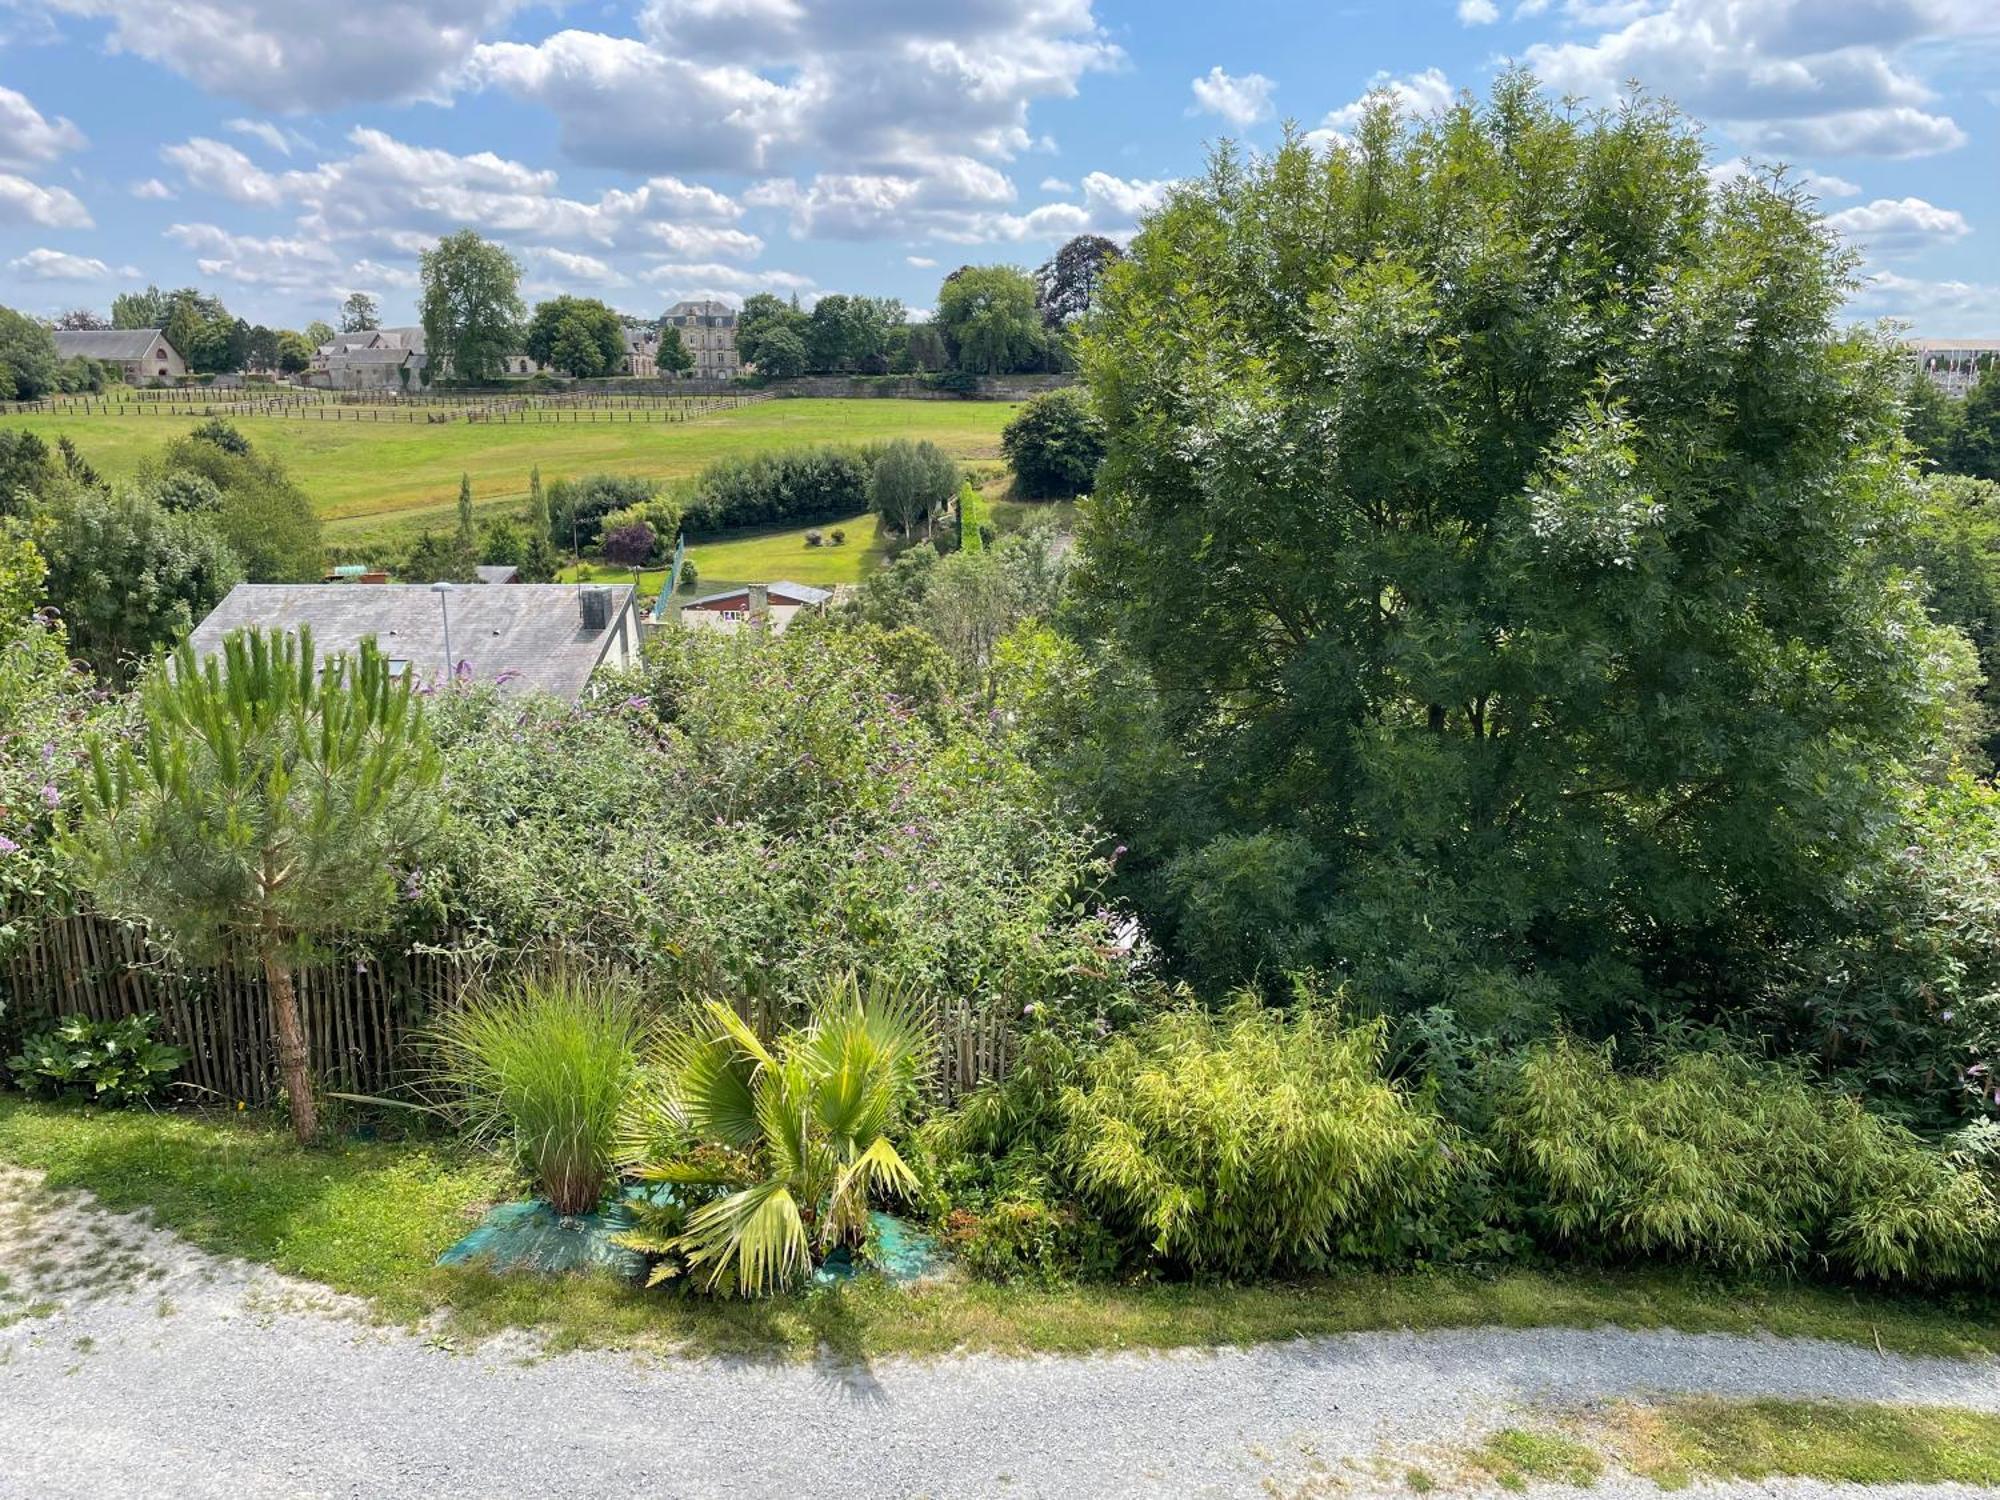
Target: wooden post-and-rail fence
(363, 1010)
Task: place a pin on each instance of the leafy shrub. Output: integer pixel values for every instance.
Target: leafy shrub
(815, 538)
(108, 1062)
(547, 1067)
(578, 508)
(792, 485)
(1055, 445)
(1714, 1158)
(1028, 1238)
(838, 536)
(1251, 1143)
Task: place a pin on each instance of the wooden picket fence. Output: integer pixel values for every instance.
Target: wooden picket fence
(363, 1009)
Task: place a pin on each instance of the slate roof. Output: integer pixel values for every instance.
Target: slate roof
(497, 572)
(368, 356)
(108, 343)
(531, 634)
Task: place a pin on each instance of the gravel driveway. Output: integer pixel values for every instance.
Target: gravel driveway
(135, 1366)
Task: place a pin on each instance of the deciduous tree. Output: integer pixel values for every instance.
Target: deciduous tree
(471, 307)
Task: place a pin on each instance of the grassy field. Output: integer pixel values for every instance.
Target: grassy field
(385, 482)
(370, 1217)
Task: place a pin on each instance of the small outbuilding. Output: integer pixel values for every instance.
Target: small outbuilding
(140, 355)
(770, 606)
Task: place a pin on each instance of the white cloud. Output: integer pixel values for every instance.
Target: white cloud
(276, 137)
(30, 139)
(288, 264)
(56, 265)
(1826, 185)
(1778, 75)
(921, 262)
(152, 188)
(25, 202)
(215, 167)
(289, 56)
(862, 88)
(1419, 94)
(571, 267)
(1241, 99)
(1892, 226)
(728, 278)
(1940, 309)
(1057, 185)
(1477, 12)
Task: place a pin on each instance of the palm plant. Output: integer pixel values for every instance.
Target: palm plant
(795, 1137)
(548, 1066)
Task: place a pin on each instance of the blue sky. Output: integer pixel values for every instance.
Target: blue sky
(282, 153)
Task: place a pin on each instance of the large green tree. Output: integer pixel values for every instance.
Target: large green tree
(1498, 548)
(270, 803)
(990, 321)
(471, 307)
(27, 357)
(579, 336)
(267, 519)
(1974, 444)
(910, 482)
(128, 576)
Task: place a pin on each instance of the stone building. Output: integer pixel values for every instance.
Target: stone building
(708, 331)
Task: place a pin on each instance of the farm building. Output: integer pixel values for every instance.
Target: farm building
(524, 638)
(141, 355)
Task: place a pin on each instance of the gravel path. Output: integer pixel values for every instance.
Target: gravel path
(133, 1365)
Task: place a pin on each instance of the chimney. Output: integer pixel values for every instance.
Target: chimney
(760, 604)
(594, 607)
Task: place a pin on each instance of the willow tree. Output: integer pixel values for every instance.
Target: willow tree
(1505, 557)
(270, 805)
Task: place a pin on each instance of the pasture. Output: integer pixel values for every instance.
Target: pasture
(383, 482)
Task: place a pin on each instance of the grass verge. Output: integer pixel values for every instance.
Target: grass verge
(370, 1218)
(1844, 1442)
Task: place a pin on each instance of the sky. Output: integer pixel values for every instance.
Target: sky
(283, 153)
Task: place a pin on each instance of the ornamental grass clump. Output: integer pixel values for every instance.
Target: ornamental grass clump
(1251, 1144)
(547, 1066)
(1712, 1157)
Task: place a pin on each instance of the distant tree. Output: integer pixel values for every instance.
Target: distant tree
(674, 356)
(911, 480)
(273, 805)
(1974, 446)
(578, 506)
(147, 309)
(781, 354)
(1954, 546)
(925, 350)
(539, 561)
(74, 465)
(1054, 445)
(360, 313)
(471, 306)
(28, 362)
(127, 576)
(762, 314)
(435, 558)
(1066, 285)
(502, 543)
(81, 320)
(467, 537)
(989, 320)
(317, 332)
(295, 353)
(264, 352)
(27, 469)
(267, 519)
(851, 333)
(579, 336)
(631, 547)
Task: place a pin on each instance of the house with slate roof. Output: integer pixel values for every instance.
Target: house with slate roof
(523, 638)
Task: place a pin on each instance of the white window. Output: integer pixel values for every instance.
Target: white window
(732, 614)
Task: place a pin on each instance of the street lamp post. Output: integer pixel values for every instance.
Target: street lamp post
(443, 591)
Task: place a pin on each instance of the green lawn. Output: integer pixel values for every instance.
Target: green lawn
(385, 481)
(770, 553)
(1839, 1441)
(370, 1218)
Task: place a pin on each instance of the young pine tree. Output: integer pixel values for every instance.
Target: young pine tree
(468, 537)
(270, 804)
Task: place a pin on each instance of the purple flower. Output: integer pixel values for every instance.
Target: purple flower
(7, 845)
(53, 798)
(637, 700)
